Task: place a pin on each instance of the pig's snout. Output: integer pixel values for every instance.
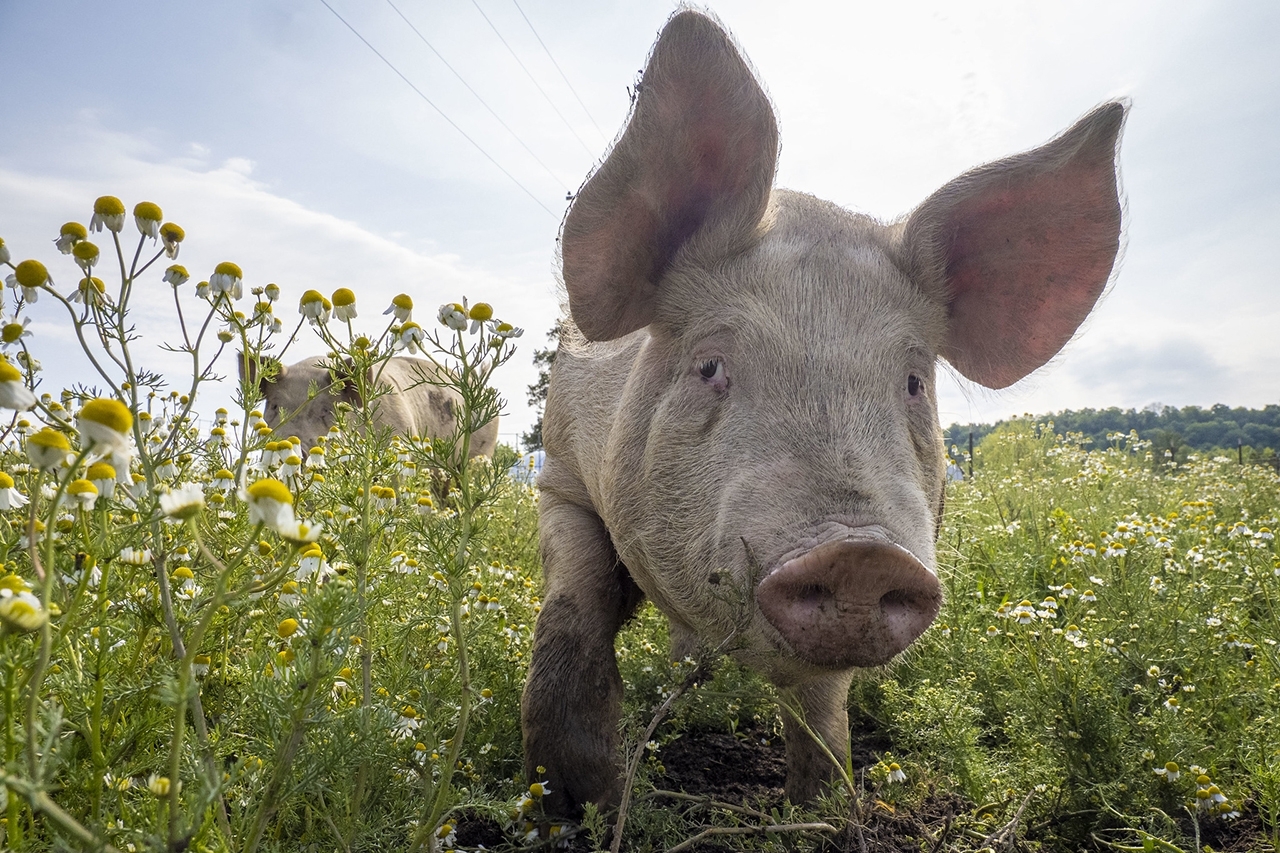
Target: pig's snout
(856, 601)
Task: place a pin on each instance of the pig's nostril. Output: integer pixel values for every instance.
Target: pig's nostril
(900, 602)
(813, 593)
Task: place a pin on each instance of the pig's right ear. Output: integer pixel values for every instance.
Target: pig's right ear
(695, 165)
(262, 371)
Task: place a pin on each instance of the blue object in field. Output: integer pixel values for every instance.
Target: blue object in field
(528, 466)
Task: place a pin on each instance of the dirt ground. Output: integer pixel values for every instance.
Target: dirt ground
(748, 769)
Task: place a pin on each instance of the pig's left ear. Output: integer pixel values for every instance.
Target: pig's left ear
(1021, 249)
(344, 385)
(261, 371)
(694, 166)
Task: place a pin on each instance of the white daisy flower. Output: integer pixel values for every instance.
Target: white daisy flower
(71, 233)
(108, 212)
(227, 278)
(83, 492)
(48, 448)
(344, 304)
(402, 307)
(10, 497)
(315, 307)
(21, 611)
(177, 275)
(183, 501)
(410, 337)
(14, 394)
(106, 425)
(147, 216)
(453, 315)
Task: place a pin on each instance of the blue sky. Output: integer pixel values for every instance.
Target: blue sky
(281, 141)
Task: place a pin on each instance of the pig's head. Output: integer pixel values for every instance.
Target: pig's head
(777, 456)
(300, 398)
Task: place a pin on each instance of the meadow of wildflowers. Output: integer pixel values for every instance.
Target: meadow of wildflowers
(214, 636)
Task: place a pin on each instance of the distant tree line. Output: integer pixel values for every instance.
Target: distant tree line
(537, 392)
(1254, 434)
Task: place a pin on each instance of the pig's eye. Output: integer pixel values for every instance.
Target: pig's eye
(712, 372)
(915, 386)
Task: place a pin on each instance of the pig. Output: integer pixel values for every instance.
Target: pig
(412, 407)
(746, 430)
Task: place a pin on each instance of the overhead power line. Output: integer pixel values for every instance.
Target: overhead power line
(561, 70)
(461, 80)
(533, 80)
(442, 113)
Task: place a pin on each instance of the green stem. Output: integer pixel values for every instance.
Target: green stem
(13, 811)
(297, 730)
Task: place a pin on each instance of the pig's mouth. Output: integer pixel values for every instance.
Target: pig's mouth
(856, 600)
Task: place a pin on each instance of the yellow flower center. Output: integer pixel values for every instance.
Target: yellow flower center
(85, 251)
(269, 489)
(481, 311)
(287, 628)
(148, 210)
(9, 373)
(228, 268)
(13, 583)
(6, 482)
(343, 296)
(403, 301)
(108, 205)
(310, 296)
(92, 282)
(31, 274)
(74, 229)
(172, 233)
(101, 471)
(51, 439)
(81, 487)
(110, 413)
(183, 572)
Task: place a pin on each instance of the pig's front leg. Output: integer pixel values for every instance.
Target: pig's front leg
(822, 703)
(573, 696)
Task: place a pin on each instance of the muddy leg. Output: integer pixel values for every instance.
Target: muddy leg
(822, 703)
(573, 695)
